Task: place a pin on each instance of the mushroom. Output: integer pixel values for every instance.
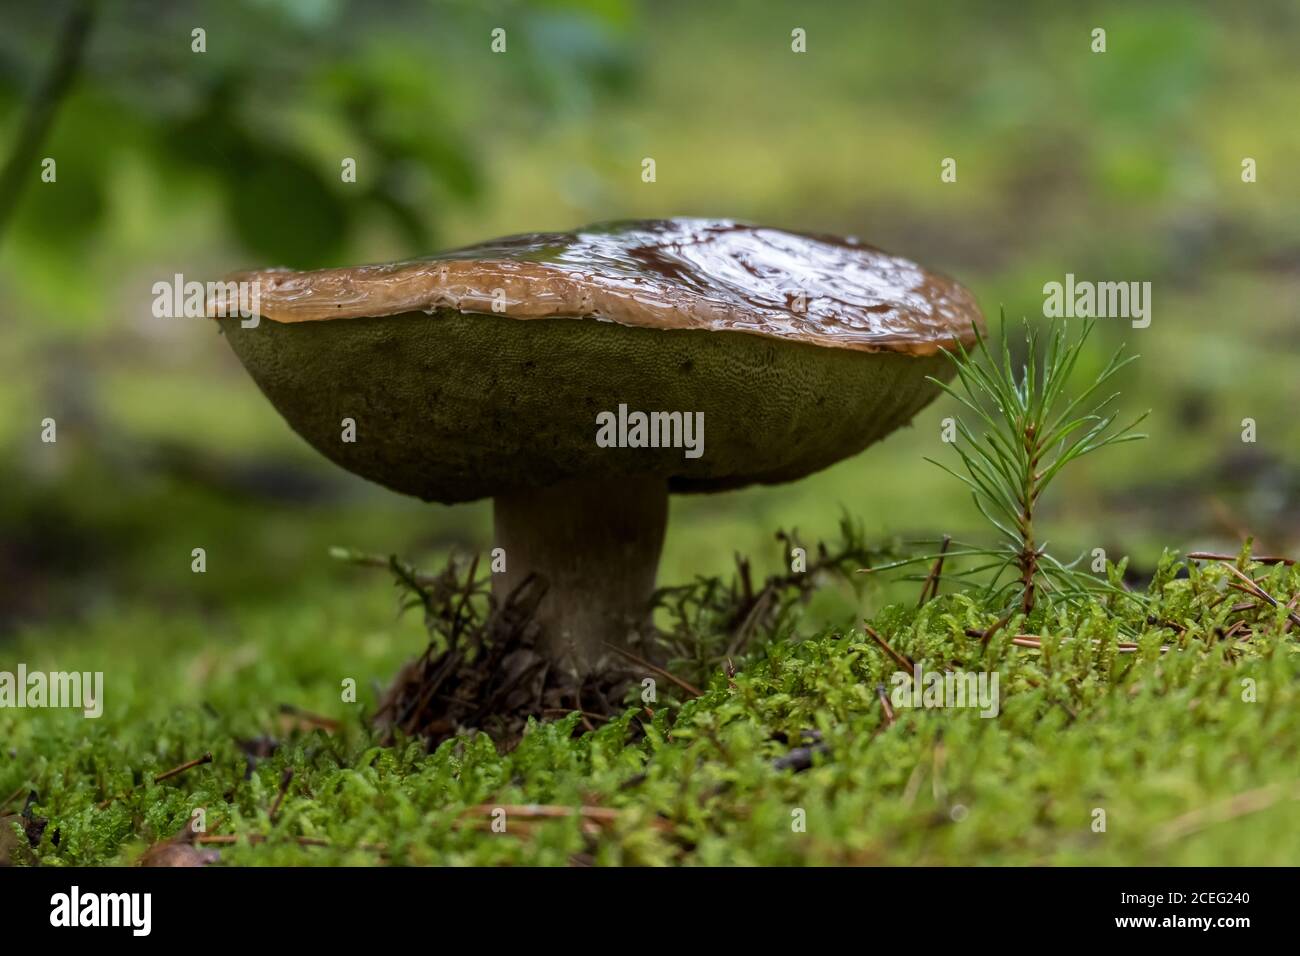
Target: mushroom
(570, 377)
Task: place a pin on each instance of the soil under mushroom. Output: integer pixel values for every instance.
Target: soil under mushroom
(493, 678)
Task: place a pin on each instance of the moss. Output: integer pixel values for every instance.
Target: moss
(1158, 739)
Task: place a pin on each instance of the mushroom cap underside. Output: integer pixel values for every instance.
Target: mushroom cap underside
(453, 407)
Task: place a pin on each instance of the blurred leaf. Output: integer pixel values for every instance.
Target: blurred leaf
(282, 210)
(64, 214)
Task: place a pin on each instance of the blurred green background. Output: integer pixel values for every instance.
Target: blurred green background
(1123, 165)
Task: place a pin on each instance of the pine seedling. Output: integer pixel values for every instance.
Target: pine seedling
(1028, 431)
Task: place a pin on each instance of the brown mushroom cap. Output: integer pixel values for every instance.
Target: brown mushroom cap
(662, 274)
(799, 350)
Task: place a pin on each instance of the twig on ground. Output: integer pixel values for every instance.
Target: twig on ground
(230, 839)
(1240, 805)
(189, 765)
(1257, 558)
(1258, 591)
(565, 711)
(310, 719)
(1036, 642)
(165, 775)
(906, 663)
(885, 705)
(666, 675)
(936, 572)
(279, 797)
(12, 797)
(592, 818)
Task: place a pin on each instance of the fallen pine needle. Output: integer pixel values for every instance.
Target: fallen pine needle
(666, 675)
(190, 765)
(903, 662)
(1258, 591)
(884, 705)
(1036, 642)
(1258, 559)
(230, 839)
(592, 818)
(1239, 805)
(544, 811)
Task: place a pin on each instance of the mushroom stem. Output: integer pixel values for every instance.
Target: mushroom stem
(596, 544)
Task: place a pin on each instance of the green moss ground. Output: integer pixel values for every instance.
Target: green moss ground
(1187, 770)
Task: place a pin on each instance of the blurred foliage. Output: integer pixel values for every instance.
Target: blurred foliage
(283, 91)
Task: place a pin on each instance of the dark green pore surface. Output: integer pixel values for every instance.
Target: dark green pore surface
(452, 407)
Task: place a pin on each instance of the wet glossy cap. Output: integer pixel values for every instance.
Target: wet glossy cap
(666, 274)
